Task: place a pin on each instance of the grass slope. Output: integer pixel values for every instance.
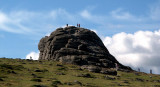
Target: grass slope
(26, 73)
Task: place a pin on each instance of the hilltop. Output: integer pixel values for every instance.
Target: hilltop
(79, 46)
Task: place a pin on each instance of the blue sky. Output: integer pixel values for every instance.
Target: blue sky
(24, 22)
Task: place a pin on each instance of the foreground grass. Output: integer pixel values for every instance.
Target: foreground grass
(26, 73)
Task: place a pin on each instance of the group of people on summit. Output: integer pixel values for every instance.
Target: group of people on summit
(78, 25)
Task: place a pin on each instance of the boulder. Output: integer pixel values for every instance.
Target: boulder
(78, 46)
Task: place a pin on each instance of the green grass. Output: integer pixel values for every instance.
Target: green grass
(25, 73)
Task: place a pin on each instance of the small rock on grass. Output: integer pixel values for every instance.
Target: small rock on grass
(87, 75)
(1, 79)
(109, 78)
(55, 83)
(38, 86)
(36, 80)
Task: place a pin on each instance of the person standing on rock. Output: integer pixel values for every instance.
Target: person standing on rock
(66, 25)
(150, 71)
(138, 69)
(31, 58)
(79, 25)
(116, 66)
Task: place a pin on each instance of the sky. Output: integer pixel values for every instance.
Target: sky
(130, 29)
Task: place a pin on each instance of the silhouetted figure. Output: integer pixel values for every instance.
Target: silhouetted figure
(79, 25)
(138, 69)
(30, 58)
(150, 71)
(116, 65)
(67, 25)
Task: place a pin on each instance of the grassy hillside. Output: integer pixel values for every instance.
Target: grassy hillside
(26, 73)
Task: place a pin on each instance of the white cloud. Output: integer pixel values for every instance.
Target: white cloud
(28, 22)
(155, 11)
(85, 14)
(120, 14)
(93, 18)
(48, 34)
(115, 26)
(12, 22)
(62, 15)
(54, 27)
(138, 50)
(33, 55)
(94, 30)
(3, 18)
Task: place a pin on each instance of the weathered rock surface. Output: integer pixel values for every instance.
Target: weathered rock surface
(77, 46)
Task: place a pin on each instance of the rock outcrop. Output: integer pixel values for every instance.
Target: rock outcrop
(77, 46)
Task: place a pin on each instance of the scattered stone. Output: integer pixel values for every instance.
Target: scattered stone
(62, 68)
(95, 69)
(73, 83)
(137, 74)
(36, 80)
(77, 82)
(126, 81)
(158, 81)
(1, 79)
(90, 85)
(69, 83)
(55, 83)
(84, 67)
(139, 79)
(109, 72)
(39, 77)
(122, 85)
(38, 70)
(59, 65)
(23, 63)
(38, 86)
(155, 81)
(8, 84)
(109, 78)
(34, 75)
(60, 73)
(156, 85)
(11, 71)
(85, 75)
(118, 76)
(53, 78)
(125, 70)
(50, 64)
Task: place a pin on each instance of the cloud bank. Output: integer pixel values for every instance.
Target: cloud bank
(138, 50)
